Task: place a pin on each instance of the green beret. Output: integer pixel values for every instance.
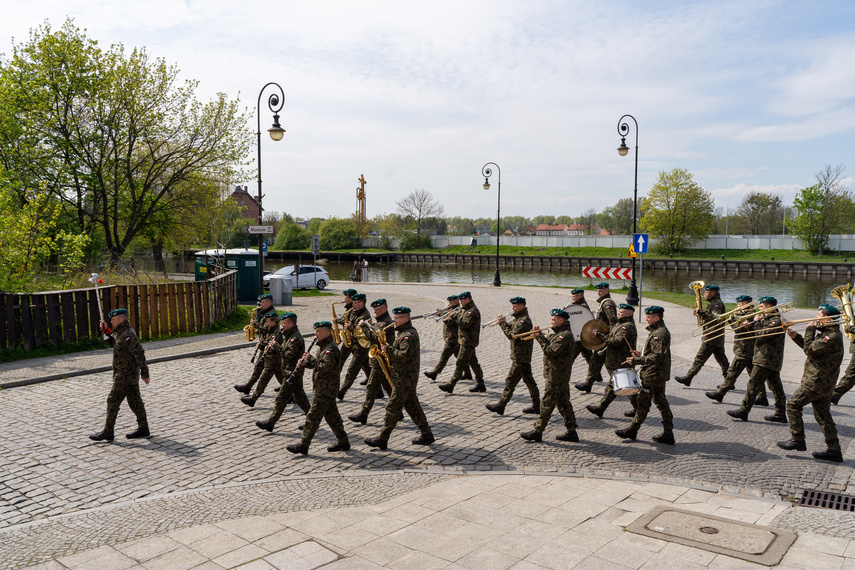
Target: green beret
(559, 313)
(769, 301)
(518, 301)
(358, 297)
(829, 310)
(576, 291)
(321, 324)
(265, 296)
(744, 298)
(627, 307)
(274, 315)
(602, 285)
(465, 295)
(378, 303)
(654, 310)
(349, 292)
(117, 312)
(401, 311)
(711, 287)
(288, 316)
(452, 297)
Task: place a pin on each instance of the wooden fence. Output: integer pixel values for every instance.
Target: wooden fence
(59, 317)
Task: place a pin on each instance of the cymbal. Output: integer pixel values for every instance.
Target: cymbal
(589, 340)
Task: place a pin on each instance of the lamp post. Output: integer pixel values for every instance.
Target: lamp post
(487, 172)
(275, 103)
(623, 131)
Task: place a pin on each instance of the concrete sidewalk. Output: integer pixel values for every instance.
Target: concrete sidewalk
(470, 521)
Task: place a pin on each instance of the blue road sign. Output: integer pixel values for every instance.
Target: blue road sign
(264, 247)
(640, 242)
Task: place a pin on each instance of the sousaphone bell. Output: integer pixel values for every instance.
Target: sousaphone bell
(590, 341)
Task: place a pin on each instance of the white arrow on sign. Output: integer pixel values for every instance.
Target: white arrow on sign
(640, 243)
(259, 230)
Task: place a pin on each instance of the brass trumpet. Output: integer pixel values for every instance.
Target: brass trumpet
(530, 334)
(448, 314)
(785, 325)
(495, 322)
(786, 307)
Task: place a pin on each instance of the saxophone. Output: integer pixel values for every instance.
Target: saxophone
(382, 357)
(844, 295)
(336, 334)
(250, 329)
(347, 334)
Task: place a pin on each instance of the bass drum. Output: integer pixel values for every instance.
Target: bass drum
(579, 315)
(625, 382)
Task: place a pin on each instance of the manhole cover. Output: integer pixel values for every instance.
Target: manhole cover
(755, 543)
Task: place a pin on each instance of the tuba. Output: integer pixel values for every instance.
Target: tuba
(250, 329)
(697, 286)
(382, 357)
(844, 295)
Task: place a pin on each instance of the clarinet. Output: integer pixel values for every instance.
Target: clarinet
(290, 378)
(276, 338)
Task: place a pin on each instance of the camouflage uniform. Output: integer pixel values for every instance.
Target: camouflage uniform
(824, 349)
(468, 335)
(557, 349)
(264, 336)
(617, 350)
(451, 347)
(848, 381)
(743, 353)
(325, 378)
(710, 347)
(520, 359)
(377, 377)
(359, 362)
(579, 348)
(128, 365)
(258, 322)
(767, 362)
(608, 314)
(404, 357)
(269, 363)
(293, 347)
(655, 371)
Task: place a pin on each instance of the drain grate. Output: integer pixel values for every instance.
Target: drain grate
(827, 500)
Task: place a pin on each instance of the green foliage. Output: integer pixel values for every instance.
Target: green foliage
(292, 237)
(617, 219)
(759, 213)
(337, 233)
(677, 211)
(822, 209)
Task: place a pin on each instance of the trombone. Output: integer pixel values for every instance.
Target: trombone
(741, 319)
(722, 319)
(530, 334)
(836, 320)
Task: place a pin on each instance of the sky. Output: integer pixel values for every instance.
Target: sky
(747, 96)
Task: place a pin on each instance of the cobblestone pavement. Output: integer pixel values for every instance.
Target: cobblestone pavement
(204, 437)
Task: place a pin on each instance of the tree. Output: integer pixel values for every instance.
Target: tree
(114, 137)
(677, 212)
(759, 213)
(292, 237)
(617, 219)
(588, 221)
(418, 205)
(822, 209)
(388, 227)
(337, 233)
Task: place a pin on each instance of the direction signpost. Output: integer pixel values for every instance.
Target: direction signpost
(258, 230)
(640, 243)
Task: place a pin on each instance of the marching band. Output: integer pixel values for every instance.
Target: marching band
(387, 349)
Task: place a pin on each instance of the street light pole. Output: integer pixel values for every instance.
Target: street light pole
(487, 172)
(623, 131)
(275, 103)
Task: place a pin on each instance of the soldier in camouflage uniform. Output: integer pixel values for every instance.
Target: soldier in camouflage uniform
(710, 345)
(848, 381)
(743, 353)
(377, 377)
(293, 348)
(270, 361)
(452, 343)
(404, 355)
(823, 345)
(578, 298)
(359, 362)
(557, 349)
(128, 366)
(620, 343)
(767, 362)
(608, 314)
(343, 319)
(520, 359)
(468, 334)
(325, 378)
(655, 371)
(265, 306)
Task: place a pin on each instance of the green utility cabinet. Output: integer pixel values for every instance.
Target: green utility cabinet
(245, 261)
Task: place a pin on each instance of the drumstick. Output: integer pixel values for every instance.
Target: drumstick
(628, 344)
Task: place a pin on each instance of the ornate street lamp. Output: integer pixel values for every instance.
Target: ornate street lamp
(623, 131)
(275, 103)
(486, 172)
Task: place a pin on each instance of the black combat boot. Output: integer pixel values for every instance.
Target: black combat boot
(430, 374)
(532, 436)
(738, 414)
(762, 400)
(447, 388)
(571, 435)
(376, 442)
(533, 409)
(777, 418)
(627, 433)
(583, 387)
(478, 388)
(297, 448)
(248, 400)
(684, 380)
(340, 446)
(265, 425)
(666, 436)
(138, 433)
(102, 436)
(829, 455)
(629, 414)
(359, 418)
(498, 408)
(793, 445)
(424, 439)
(595, 410)
(714, 396)
(243, 388)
